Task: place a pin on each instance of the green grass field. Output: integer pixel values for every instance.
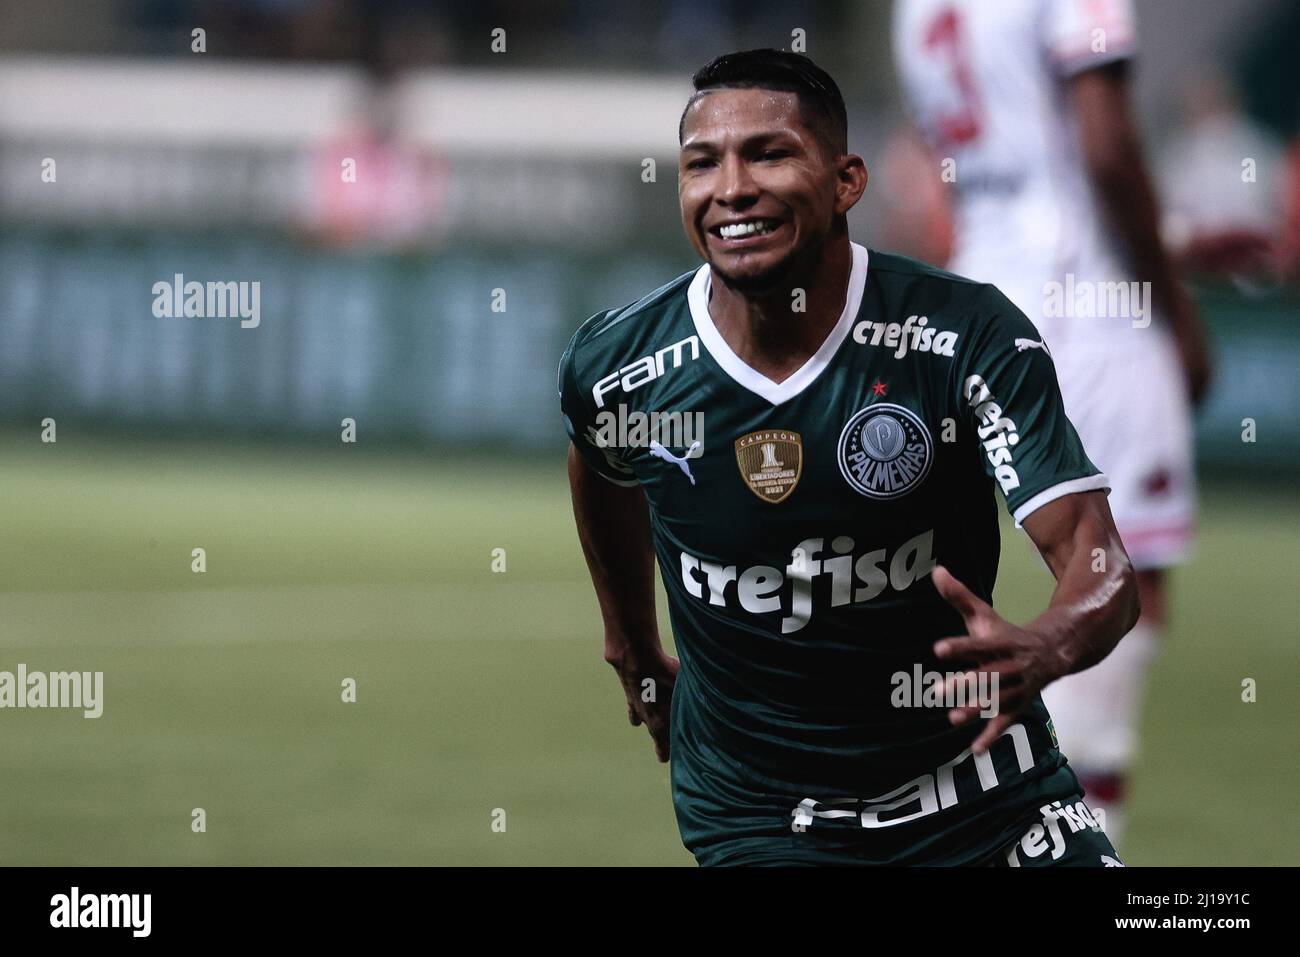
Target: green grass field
(475, 690)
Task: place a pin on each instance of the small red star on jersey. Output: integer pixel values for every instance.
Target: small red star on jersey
(879, 388)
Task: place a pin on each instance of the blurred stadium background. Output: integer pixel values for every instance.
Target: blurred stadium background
(523, 171)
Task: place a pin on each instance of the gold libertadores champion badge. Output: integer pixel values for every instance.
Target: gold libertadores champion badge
(771, 462)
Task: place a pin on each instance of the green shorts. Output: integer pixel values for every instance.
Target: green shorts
(1066, 835)
(1062, 833)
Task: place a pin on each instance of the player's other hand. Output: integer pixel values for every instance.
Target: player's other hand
(1023, 661)
(648, 684)
(1231, 252)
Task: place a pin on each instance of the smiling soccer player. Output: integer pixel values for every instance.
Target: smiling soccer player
(837, 524)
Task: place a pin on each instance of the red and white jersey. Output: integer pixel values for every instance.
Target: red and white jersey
(986, 83)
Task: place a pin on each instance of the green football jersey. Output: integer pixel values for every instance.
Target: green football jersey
(796, 525)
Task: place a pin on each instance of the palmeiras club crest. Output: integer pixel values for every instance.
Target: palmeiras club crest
(771, 461)
(885, 451)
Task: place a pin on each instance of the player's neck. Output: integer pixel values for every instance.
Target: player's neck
(768, 332)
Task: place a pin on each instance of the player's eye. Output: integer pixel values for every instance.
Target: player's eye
(700, 163)
(773, 154)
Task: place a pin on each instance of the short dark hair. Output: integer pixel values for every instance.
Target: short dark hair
(820, 100)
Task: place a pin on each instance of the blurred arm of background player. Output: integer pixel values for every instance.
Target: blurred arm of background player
(1112, 150)
(614, 529)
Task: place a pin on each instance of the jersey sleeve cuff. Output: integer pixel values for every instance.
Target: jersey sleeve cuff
(1089, 483)
(626, 483)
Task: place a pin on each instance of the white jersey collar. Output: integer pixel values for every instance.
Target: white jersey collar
(697, 296)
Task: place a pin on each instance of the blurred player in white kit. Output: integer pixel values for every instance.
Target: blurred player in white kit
(1024, 106)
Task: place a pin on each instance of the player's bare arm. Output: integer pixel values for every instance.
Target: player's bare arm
(1095, 603)
(1113, 153)
(614, 529)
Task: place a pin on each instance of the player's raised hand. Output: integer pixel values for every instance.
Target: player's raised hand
(1024, 662)
(648, 685)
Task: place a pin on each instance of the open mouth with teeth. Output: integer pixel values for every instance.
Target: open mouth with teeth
(746, 229)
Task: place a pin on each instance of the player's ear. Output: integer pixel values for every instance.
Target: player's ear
(851, 182)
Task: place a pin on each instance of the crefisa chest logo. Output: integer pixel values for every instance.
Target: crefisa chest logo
(885, 451)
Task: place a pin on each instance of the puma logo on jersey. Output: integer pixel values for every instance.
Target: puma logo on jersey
(659, 452)
(1023, 344)
(913, 334)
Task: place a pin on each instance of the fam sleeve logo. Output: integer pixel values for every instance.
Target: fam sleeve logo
(885, 451)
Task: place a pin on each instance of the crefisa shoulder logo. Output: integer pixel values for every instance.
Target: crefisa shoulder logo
(885, 451)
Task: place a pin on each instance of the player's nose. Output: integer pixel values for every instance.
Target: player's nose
(735, 185)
